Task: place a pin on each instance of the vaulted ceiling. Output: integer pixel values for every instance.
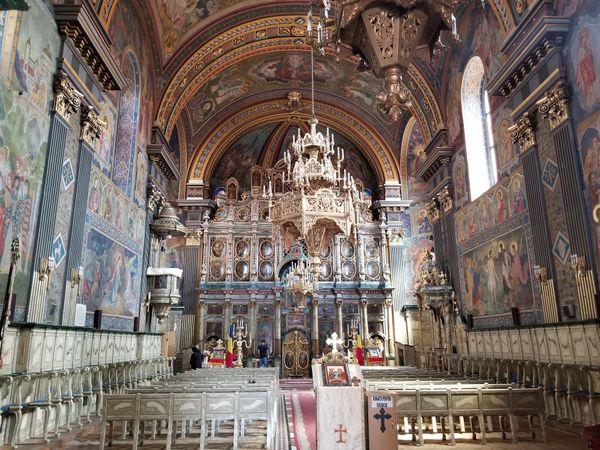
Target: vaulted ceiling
(226, 68)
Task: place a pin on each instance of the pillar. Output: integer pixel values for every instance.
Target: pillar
(315, 326)
(390, 332)
(200, 321)
(338, 316)
(277, 325)
(252, 320)
(66, 102)
(227, 313)
(91, 129)
(364, 316)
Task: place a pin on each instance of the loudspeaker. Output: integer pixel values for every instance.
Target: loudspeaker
(516, 317)
(470, 321)
(98, 319)
(136, 324)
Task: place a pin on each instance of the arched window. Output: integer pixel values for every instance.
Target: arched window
(477, 123)
(122, 172)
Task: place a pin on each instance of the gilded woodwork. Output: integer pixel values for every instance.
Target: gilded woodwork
(67, 99)
(555, 105)
(523, 132)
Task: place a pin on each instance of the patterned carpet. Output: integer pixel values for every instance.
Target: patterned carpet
(300, 406)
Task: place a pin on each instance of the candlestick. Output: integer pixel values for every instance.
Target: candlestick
(454, 32)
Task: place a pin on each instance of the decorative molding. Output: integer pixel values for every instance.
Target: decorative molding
(523, 132)
(67, 99)
(555, 105)
(445, 198)
(80, 25)
(91, 125)
(155, 198)
(438, 154)
(159, 153)
(433, 210)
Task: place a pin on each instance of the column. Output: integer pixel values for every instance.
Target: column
(252, 320)
(227, 313)
(315, 326)
(91, 129)
(277, 326)
(555, 108)
(338, 316)
(66, 102)
(389, 324)
(199, 321)
(385, 260)
(523, 134)
(364, 316)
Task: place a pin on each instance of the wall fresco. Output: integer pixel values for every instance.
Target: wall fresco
(29, 44)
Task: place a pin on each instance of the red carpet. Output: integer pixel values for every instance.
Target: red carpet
(304, 409)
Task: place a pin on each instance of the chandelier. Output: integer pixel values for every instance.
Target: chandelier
(319, 199)
(300, 282)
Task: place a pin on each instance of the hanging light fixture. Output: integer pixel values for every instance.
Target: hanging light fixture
(319, 199)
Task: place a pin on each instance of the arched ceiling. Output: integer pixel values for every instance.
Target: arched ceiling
(226, 67)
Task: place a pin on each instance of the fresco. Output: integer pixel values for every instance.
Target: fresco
(112, 277)
(478, 37)
(247, 149)
(459, 178)
(294, 67)
(502, 202)
(506, 153)
(355, 162)
(583, 65)
(104, 146)
(497, 275)
(29, 45)
(177, 17)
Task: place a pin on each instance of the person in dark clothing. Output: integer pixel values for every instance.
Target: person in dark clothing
(196, 358)
(263, 352)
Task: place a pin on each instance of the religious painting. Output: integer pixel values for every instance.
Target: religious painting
(421, 223)
(294, 67)
(112, 276)
(68, 178)
(214, 328)
(247, 150)
(355, 162)
(141, 177)
(497, 275)
(505, 149)
(501, 201)
(584, 61)
(517, 195)
(335, 375)
(459, 178)
(589, 145)
(214, 309)
(295, 321)
(29, 46)
(240, 309)
(325, 330)
(104, 145)
(363, 86)
(265, 332)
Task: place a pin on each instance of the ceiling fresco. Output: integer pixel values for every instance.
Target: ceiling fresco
(249, 149)
(285, 70)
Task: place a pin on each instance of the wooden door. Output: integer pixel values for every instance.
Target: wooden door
(296, 357)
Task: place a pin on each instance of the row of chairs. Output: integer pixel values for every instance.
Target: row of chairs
(571, 392)
(73, 394)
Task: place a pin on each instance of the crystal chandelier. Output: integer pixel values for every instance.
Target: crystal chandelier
(301, 282)
(319, 200)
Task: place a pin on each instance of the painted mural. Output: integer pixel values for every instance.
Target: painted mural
(104, 146)
(29, 45)
(177, 17)
(459, 178)
(478, 37)
(506, 152)
(112, 276)
(502, 202)
(497, 275)
(247, 150)
(294, 67)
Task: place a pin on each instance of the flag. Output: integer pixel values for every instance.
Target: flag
(359, 351)
(229, 354)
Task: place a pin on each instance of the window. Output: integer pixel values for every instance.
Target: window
(477, 123)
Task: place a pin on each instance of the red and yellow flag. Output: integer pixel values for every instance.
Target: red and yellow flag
(359, 351)
(229, 354)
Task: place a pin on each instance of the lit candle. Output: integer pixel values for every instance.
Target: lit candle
(309, 22)
(454, 32)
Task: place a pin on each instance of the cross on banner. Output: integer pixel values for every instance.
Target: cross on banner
(382, 416)
(341, 430)
(334, 341)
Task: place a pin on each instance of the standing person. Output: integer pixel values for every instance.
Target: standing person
(263, 351)
(196, 358)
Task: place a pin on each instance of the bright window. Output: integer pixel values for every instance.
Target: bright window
(477, 121)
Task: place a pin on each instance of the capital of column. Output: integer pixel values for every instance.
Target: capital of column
(194, 237)
(555, 105)
(338, 302)
(92, 125)
(433, 210)
(523, 132)
(315, 303)
(364, 302)
(444, 198)
(277, 303)
(66, 98)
